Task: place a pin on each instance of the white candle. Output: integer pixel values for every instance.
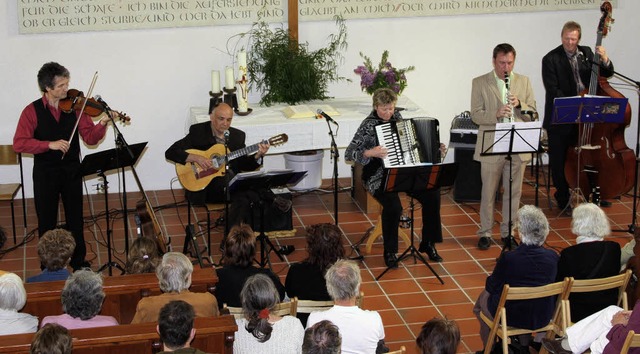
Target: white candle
(215, 81)
(242, 60)
(230, 80)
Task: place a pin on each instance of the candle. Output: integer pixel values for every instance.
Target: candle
(230, 80)
(215, 81)
(242, 60)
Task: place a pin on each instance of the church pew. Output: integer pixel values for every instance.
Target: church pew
(213, 335)
(122, 293)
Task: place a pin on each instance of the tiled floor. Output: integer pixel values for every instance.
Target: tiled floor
(405, 297)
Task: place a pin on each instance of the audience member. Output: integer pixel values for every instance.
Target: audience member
(322, 338)
(602, 332)
(174, 276)
(361, 330)
(262, 331)
(52, 339)
(591, 258)
(528, 265)
(175, 326)
(55, 248)
(82, 298)
(143, 256)
(438, 336)
(13, 296)
(237, 260)
(305, 279)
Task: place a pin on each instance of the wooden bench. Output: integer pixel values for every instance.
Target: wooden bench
(213, 335)
(122, 293)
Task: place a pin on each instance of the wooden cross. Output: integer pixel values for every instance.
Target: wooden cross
(293, 20)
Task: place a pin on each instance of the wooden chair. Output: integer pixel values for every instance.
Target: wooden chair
(619, 281)
(377, 232)
(402, 350)
(289, 308)
(8, 191)
(632, 341)
(499, 326)
(308, 306)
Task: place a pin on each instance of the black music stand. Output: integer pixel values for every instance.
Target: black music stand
(509, 140)
(586, 109)
(417, 179)
(261, 181)
(99, 163)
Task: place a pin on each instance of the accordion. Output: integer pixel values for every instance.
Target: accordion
(410, 142)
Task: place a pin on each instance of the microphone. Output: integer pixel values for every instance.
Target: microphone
(226, 134)
(326, 116)
(102, 102)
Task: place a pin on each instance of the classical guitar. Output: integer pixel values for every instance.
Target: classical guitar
(194, 178)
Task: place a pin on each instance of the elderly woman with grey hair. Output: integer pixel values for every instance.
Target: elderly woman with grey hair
(362, 330)
(13, 296)
(174, 276)
(82, 298)
(528, 265)
(591, 258)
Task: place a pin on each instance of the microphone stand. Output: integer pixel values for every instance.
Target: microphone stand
(334, 155)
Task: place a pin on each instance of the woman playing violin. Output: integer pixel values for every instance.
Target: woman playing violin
(44, 130)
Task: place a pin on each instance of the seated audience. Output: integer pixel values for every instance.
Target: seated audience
(306, 279)
(361, 330)
(591, 258)
(175, 326)
(143, 256)
(13, 296)
(55, 248)
(52, 339)
(602, 332)
(261, 331)
(174, 276)
(438, 336)
(528, 265)
(322, 338)
(237, 260)
(82, 298)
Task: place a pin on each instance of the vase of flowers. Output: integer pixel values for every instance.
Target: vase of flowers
(385, 75)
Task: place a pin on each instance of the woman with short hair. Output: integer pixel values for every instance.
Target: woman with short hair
(13, 296)
(52, 339)
(261, 331)
(55, 248)
(82, 298)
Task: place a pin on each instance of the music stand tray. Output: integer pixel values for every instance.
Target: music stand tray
(588, 109)
(417, 179)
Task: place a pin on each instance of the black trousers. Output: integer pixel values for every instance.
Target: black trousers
(560, 139)
(52, 182)
(392, 210)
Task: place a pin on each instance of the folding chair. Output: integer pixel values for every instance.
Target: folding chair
(282, 309)
(402, 350)
(8, 191)
(499, 326)
(308, 306)
(619, 281)
(632, 341)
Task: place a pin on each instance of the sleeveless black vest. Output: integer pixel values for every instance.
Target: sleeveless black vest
(48, 129)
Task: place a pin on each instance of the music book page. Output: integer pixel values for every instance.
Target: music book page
(305, 111)
(525, 139)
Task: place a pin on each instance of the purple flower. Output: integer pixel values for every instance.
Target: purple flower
(384, 75)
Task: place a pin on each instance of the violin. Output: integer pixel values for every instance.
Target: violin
(75, 99)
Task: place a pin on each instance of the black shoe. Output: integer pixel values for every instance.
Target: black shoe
(391, 260)
(286, 250)
(554, 346)
(605, 203)
(430, 249)
(484, 243)
(509, 243)
(84, 265)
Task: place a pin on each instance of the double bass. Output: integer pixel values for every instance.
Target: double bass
(601, 157)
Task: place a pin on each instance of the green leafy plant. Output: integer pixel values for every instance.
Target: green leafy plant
(286, 71)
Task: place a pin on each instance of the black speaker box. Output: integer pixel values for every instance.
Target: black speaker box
(468, 185)
(275, 219)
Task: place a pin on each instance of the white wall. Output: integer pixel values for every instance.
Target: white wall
(156, 75)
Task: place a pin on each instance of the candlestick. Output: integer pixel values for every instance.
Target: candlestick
(230, 80)
(215, 81)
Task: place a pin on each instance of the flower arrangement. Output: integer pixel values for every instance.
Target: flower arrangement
(385, 75)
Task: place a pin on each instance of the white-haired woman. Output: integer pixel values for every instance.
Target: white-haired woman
(591, 258)
(13, 296)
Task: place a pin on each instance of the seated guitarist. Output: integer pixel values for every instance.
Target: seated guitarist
(203, 136)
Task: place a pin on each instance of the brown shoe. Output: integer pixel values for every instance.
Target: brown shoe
(554, 346)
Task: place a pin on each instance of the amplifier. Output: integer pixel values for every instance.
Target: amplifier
(468, 184)
(275, 219)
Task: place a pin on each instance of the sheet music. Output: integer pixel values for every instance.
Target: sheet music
(526, 139)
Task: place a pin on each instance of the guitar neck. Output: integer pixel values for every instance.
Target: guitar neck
(247, 150)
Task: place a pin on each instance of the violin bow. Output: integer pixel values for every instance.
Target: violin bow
(84, 104)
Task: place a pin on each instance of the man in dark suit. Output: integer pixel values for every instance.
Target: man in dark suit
(204, 135)
(566, 71)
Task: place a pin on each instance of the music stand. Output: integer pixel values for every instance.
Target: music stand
(509, 139)
(260, 181)
(99, 163)
(417, 179)
(586, 109)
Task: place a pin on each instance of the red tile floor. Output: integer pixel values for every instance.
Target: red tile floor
(405, 297)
